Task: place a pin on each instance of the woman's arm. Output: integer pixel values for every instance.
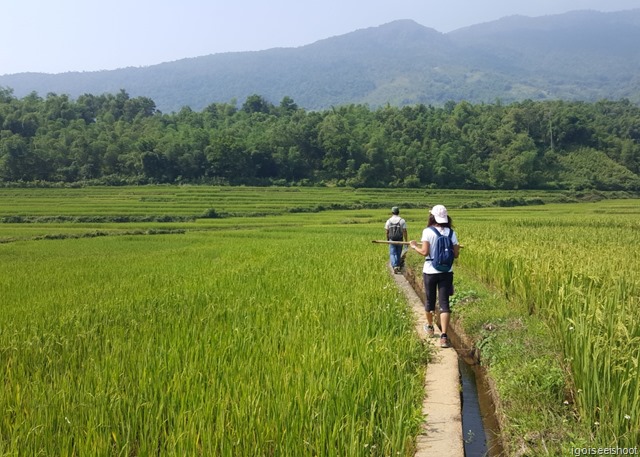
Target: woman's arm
(423, 249)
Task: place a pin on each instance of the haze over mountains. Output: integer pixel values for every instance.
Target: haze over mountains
(582, 55)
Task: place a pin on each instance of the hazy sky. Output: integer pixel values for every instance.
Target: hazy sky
(55, 36)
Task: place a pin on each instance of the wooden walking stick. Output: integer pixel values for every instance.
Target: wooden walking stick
(406, 243)
(400, 243)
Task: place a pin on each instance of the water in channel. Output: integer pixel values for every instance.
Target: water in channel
(479, 426)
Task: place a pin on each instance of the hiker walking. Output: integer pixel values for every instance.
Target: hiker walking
(395, 230)
(440, 247)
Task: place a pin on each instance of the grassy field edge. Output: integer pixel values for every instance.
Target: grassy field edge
(530, 382)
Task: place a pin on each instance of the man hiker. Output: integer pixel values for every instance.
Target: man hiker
(395, 230)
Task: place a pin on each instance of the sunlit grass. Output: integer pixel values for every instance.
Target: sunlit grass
(243, 342)
(279, 332)
(237, 201)
(573, 266)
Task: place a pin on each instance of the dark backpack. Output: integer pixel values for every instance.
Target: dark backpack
(441, 251)
(395, 231)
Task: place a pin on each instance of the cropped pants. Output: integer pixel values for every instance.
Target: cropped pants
(438, 285)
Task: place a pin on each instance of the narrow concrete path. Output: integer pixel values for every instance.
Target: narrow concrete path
(442, 408)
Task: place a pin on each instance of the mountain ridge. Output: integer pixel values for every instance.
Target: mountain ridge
(580, 55)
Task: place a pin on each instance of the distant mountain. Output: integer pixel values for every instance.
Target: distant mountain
(583, 55)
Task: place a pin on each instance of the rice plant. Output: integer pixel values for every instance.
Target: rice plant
(275, 329)
(573, 266)
(237, 342)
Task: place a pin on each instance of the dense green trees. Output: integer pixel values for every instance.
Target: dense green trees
(116, 139)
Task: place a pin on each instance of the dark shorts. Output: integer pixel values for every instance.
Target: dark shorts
(438, 285)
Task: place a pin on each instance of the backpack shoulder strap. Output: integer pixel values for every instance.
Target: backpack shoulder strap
(428, 258)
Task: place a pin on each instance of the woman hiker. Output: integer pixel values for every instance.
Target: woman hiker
(437, 273)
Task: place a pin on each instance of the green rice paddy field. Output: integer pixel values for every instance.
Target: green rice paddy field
(262, 321)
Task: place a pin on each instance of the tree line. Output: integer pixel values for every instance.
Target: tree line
(116, 139)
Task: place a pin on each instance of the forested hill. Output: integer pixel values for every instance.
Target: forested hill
(116, 139)
(574, 56)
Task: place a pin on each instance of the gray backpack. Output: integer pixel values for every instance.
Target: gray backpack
(395, 232)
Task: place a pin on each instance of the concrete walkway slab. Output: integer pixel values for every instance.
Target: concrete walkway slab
(441, 433)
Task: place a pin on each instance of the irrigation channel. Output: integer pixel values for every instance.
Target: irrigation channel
(480, 430)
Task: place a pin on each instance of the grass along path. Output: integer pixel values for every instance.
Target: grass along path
(244, 342)
(441, 432)
(557, 333)
(105, 308)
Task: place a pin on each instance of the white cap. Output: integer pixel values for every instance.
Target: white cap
(440, 214)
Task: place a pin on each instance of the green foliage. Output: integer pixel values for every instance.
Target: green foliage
(542, 261)
(225, 340)
(16, 219)
(591, 169)
(118, 140)
(168, 344)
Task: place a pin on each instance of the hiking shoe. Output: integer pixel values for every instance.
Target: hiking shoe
(428, 330)
(444, 341)
(396, 270)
